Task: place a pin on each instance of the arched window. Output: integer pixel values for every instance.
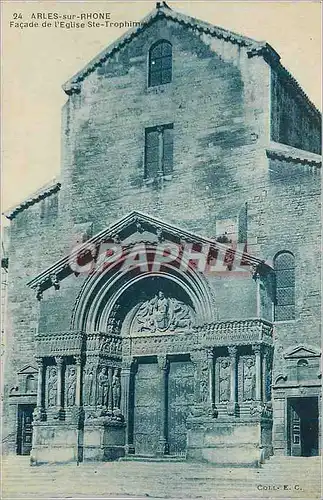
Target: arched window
(284, 264)
(160, 63)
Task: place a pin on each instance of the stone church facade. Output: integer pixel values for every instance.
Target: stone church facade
(164, 294)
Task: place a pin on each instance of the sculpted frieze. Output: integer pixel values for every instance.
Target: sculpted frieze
(160, 314)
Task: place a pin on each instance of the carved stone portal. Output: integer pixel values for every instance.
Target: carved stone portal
(162, 313)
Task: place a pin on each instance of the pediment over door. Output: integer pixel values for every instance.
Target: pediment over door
(302, 351)
(131, 234)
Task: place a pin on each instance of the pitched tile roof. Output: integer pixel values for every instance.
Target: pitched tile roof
(45, 191)
(255, 48)
(161, 11)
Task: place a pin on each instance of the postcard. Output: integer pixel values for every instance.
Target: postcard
(161, 243)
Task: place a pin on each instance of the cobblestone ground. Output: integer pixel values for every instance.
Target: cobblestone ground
(286, 478)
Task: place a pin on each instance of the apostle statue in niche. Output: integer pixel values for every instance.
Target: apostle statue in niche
(249, 379)
(224, 380)
(116, 389)
(52, 387)
(103, 383)
(70, 390)
(89, 388)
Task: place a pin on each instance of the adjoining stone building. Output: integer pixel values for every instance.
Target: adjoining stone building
(191, 157)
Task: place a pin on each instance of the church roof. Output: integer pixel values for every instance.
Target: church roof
(162, 10)
(136, 227)
(284, 152)
(47, 190)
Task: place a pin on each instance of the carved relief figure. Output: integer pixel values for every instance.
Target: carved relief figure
(103, 387)
(224, 380)
(70, 386)
(161, 313)
(204, 391)
(116, 389)
(109, 388)
(249, 379)
(89, 386)
(52, 387)
(181, 316)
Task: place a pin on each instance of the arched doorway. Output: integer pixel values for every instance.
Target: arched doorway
(154, 314)
(148, 315)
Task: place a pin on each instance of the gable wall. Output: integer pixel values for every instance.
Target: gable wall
(219, 115)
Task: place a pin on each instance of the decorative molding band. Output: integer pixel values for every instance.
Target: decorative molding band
(59, 344)
(73, 343)
(61, 268)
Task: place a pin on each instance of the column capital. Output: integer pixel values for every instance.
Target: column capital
(39, 361)
(199, 355)
(127, 362)
(256, 348)
(233, 350)
(78, 359)
(163, 362)
(210, 354)
(59, 361)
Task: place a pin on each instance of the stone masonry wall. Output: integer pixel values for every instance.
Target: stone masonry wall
(293, 121)
(218, 102)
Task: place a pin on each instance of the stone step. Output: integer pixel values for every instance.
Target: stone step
(149, 458)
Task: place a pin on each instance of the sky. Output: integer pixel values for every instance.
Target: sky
(37, 61)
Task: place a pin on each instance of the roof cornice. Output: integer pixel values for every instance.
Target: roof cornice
(61, 268)
(73, 84)
(256, 48)
(42, 193)
(272, 57)
(294, 155)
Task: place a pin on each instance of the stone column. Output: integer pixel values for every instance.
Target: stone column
(232, 406)
(126, 380)
(163, 365)
(210, 361)
(160, 150)
(59, 361)
(257, 350)
(78, 361)
(39, 362)
(264, 375)
(39, 412)
(258, 297)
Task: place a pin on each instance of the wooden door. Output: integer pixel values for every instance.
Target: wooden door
(147, 423)
(25, 429)
(180, 400)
